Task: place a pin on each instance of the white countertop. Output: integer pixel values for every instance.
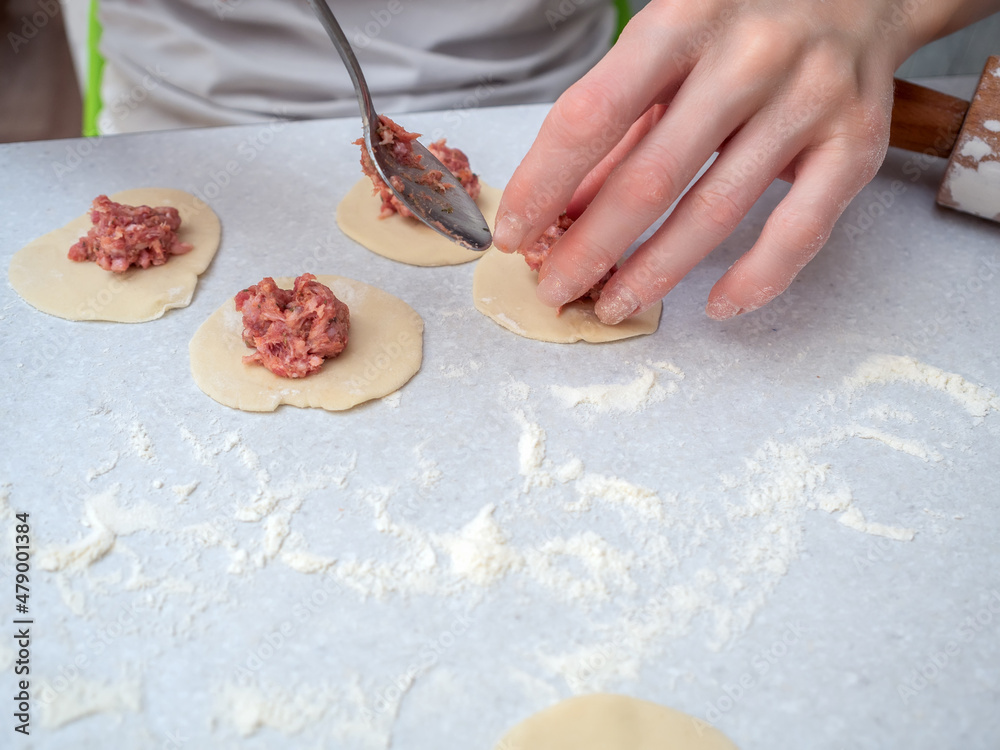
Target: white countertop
(315, 589)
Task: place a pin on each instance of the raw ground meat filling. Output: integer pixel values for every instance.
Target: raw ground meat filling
(454, 159)
(293, 330)
(535, 255)
(125, 236)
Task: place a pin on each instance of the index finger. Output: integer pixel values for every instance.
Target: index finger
(583, 126)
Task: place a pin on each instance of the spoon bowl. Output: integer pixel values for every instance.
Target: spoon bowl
(451, 212)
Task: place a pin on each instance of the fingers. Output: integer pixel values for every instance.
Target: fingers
(826, 180)
(643, 186)
(707, 215)
(595, 179)
(584, 125)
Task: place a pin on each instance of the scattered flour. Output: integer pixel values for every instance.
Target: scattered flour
(572, 469)
(903, 445)
(885, 368)
(106, 466)
(629, 397)
(616, 492)
(392, 400)
(976, 191)
(509, 322)
(853, 518)
(977, 149)
(183, 492)
(341, 715)
(86, 697)
(515, 391)
(992, 125)
(479, 552)
(141, 443)
(660, 567)
(531, 453)
(107, 521)
(428, 474)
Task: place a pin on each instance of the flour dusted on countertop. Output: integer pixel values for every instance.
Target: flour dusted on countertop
(531, 453)
(83, 697)
(640, 564)
(107, 520)
(345, 713)
(853, 518)
(183, 492)
(629, 398)
(514, 390)
(141, 444)
(103, 468)
(479, 551)
(885, 368)
(617, 492)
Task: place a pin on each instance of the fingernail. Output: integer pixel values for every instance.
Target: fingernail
(509, 232)
(722, 308)
(613, 307)
(554, 289)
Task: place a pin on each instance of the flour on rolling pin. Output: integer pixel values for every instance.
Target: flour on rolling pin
(972, 181)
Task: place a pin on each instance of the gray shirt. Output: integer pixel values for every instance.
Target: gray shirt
(176, 63)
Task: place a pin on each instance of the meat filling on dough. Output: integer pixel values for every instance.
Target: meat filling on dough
(125, 236)
(536, 254)
(292, 330)
(401, 141)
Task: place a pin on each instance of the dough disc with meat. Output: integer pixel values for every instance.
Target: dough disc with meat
(383, 351)
(503, 288)
(48, 280)
(403, 239)
(613, 722)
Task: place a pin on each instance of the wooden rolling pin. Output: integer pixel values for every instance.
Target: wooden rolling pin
(965, 133)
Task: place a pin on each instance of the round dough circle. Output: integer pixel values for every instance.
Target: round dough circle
(384, 350)
(612, 722)
(402, 239)
(503, 288)
(48, 280)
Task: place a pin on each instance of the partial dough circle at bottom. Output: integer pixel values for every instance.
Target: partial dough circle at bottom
(403, 239)
(613, 722)
(384, 350)
(48, 280)
(503, 288)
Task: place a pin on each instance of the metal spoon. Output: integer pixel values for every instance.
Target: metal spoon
(451, 212)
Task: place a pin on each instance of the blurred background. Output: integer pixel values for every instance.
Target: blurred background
(43, 64)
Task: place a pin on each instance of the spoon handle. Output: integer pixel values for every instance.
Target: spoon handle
(339, 39)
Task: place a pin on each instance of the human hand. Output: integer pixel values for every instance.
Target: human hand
(790, 89)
